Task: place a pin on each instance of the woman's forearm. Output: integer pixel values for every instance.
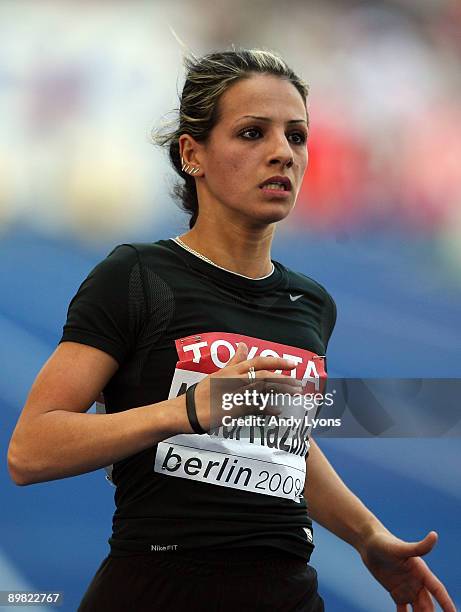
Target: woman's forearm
(60, 443)
(334, 506)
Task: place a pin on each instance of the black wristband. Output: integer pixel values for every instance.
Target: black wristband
(191, 412)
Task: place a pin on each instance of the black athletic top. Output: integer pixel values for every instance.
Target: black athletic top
(170, 318)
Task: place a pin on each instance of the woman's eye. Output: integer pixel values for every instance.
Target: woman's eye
(300, 137)
(251, 130)
(253, 133)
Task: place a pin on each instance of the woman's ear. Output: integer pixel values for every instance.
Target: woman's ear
(188, 149)
(191, 154)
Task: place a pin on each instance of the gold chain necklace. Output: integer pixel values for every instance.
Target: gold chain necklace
(200, 256)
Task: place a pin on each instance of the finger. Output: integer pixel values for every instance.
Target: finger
(292, 387)
(280, 397)
(424, 602)
(267, 363)
(416, 549)
(402, 608)
(270, 378)
(276, 390)
(264, 381)
(241, 354)
(437, 589)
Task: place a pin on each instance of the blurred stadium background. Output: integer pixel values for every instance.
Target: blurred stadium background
(378, 222)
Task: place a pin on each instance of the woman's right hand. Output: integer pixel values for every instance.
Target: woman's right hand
(236, 371)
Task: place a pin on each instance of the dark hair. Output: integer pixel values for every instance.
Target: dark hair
(207, 78)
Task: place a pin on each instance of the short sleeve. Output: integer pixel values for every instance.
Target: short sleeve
(328, 311)
(108, 309)
(328, 318)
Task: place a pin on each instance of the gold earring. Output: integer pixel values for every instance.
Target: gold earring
(189, 169)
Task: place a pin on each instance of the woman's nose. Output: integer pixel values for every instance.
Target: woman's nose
(282, 153)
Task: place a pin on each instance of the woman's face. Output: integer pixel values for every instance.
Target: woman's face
(261, 133)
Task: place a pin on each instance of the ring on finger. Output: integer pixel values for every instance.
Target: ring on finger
(251, 374)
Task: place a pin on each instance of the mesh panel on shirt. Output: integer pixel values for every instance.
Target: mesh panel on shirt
(148, 321)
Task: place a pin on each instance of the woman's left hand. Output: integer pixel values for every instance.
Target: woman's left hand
(398, 567)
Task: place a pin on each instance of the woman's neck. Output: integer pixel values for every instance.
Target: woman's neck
(245, 251)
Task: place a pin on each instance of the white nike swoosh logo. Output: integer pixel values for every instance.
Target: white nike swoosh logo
(293, 298)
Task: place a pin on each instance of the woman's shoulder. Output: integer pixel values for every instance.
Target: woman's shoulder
(302, 283)
(299, 284)
(129, 253)
(132, 250)
(126, 259)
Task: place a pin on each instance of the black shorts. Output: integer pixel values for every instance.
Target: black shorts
(170, 582)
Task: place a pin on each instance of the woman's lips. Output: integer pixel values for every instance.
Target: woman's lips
(275, 193)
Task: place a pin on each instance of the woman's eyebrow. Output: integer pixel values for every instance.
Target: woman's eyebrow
(269, 120)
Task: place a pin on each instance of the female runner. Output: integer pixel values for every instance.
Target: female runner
(209, 521)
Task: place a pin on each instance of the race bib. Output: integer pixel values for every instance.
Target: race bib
(267, 459)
